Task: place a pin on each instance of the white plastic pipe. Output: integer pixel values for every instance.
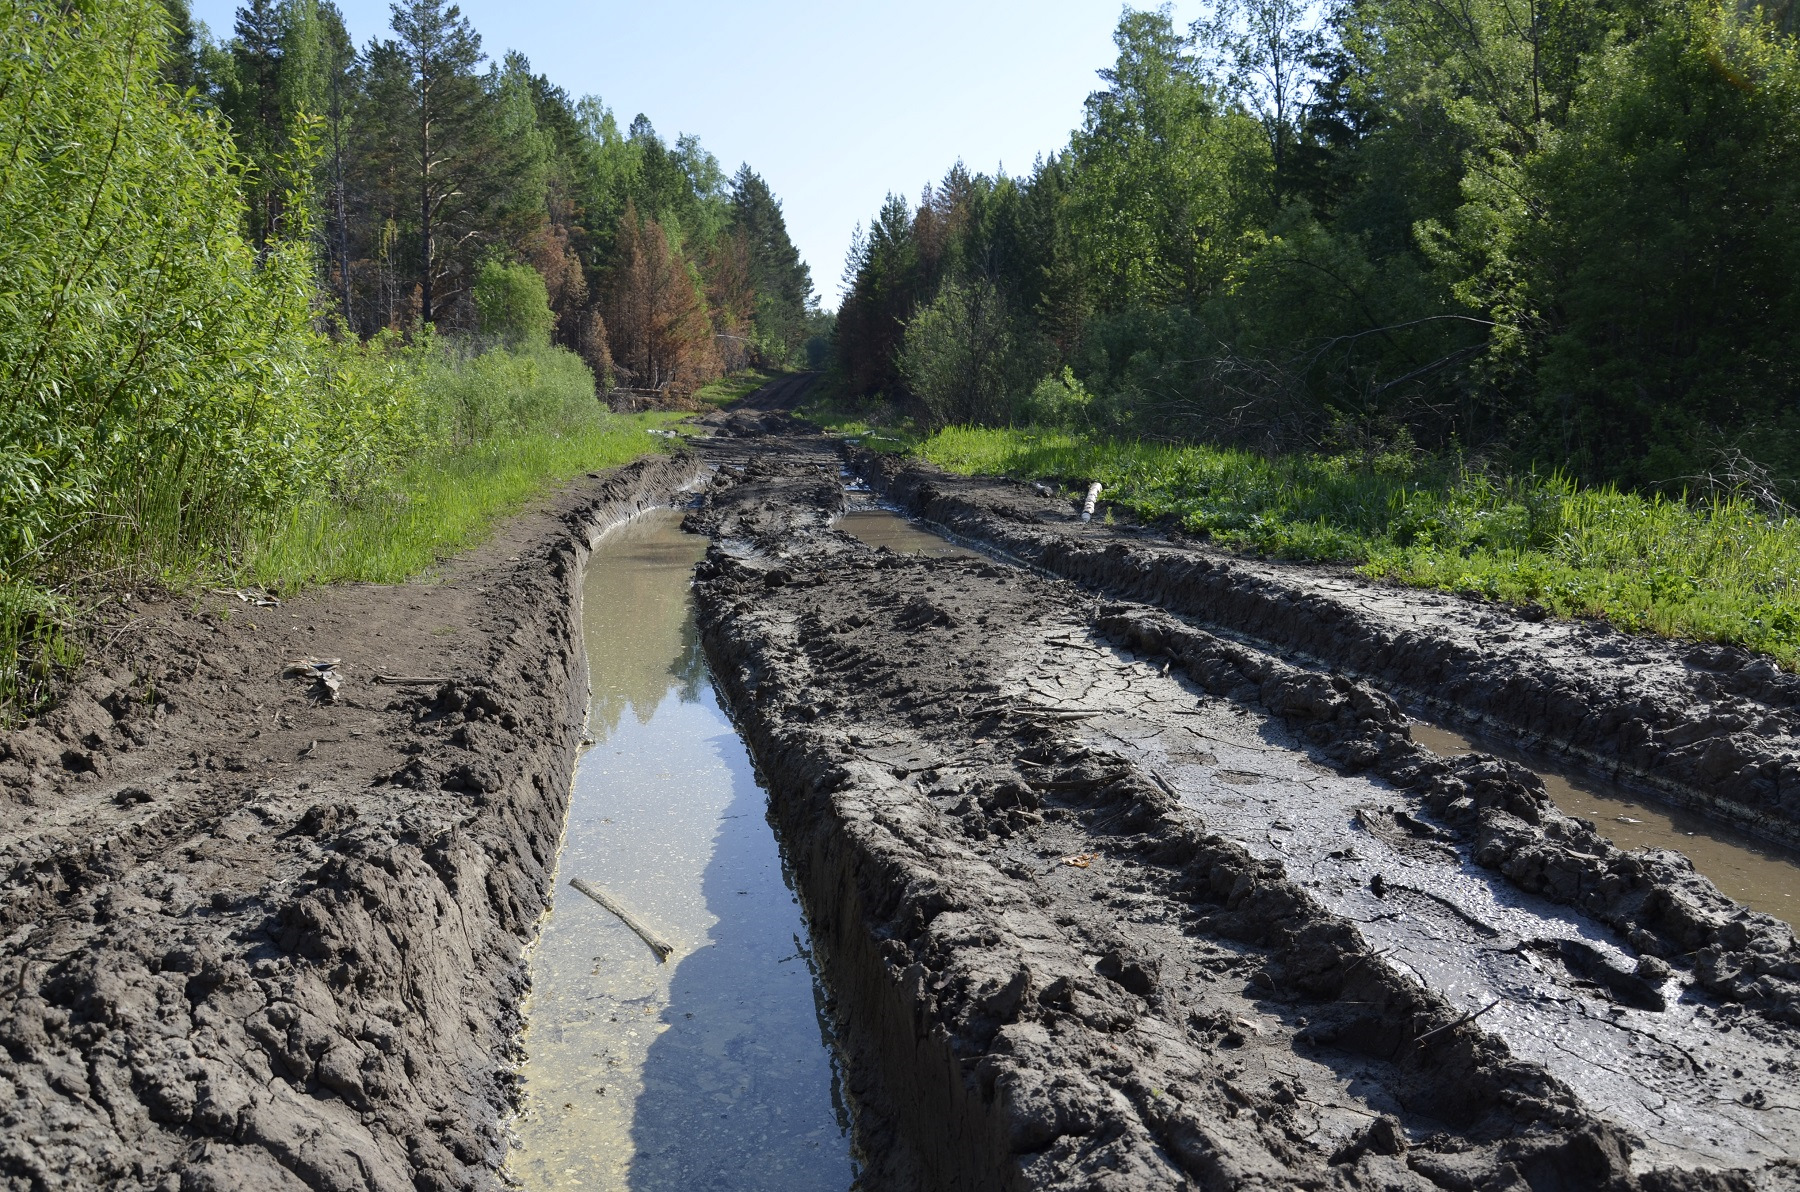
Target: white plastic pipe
(1087, 506)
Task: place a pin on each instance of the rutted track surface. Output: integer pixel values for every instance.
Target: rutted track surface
(250, 941)
(1715, 728)
(1108, 901)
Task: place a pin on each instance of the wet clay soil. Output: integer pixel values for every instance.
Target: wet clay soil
(252, 940)
(1112, 881)
(712, 1070)
(1713, 729)
(1759, 875)
(1109, 901)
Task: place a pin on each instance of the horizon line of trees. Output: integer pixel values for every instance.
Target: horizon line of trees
(1559, 233)
(408, 166)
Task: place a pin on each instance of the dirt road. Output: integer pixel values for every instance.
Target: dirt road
(1113, 879)
(254, 940)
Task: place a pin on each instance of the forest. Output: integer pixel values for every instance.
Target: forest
(1559, 236)
(280, 308)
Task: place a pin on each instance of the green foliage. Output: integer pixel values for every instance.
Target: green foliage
(782, 282)
(494, 428)
(155, 381)
(1563, 234)
(1720, 570)
(732, 386)
(968, 358)
(513, 304)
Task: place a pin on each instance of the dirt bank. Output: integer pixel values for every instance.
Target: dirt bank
(1109, 901)
(252, 940)
(1714, 728)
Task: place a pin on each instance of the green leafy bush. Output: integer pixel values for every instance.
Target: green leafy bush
(514, 305)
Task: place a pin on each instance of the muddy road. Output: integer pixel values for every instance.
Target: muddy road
(1121, 865)
(1112, 900)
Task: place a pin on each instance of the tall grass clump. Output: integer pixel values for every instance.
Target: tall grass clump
(490, 429)
(1721, 569)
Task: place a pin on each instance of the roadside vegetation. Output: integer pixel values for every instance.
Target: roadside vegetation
(235, 348)
(1493, 297)
(1721, 569)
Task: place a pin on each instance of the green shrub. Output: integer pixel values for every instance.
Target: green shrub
(513, 305)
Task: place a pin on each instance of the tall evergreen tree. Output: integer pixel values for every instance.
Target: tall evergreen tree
(781, 280)
(445, 138)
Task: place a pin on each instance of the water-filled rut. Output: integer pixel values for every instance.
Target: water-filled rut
(714, 1069)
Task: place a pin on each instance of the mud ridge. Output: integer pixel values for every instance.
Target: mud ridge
(1712, 728)
(1052, 971)
(253, 940)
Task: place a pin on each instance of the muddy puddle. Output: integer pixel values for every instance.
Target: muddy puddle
(880, 527)
(714, 1069)
(1758, 875)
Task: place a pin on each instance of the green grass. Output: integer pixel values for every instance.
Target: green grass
(1712, 571)
(441, 504)
(732, 386)
(875, 422)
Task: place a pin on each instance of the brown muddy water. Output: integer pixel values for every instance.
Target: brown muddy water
(714, 1070)
(1758, 875)
(881, 527)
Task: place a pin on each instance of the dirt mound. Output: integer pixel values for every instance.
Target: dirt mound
(253, 939)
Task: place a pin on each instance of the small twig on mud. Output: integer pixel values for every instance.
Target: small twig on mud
(1163, 783)
(1057, 641)
(397, 679)
(1471, 1017)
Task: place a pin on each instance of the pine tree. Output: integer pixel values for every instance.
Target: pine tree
(443, 137)
(781, 280)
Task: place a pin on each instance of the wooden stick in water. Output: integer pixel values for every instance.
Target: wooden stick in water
(658, 945)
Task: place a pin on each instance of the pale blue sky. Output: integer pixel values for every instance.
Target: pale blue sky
(834, 104)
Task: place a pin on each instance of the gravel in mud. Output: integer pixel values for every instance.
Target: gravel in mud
(1108, 900)
(1714, 728)
(254, 940)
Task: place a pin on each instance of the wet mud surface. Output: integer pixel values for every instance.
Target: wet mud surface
(1108, 900)
(251, 940)
(1714, 729)
(1762, 876)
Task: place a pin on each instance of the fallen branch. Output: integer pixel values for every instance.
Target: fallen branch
(658, 945)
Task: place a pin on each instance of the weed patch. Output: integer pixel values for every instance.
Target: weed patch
(1719, 570)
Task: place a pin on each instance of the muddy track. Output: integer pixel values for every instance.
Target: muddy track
(250, 940)
(1107, 900)
(1713, 728)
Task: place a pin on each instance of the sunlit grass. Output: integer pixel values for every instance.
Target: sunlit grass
(1713, 571)
(440, 505)
(733, 386)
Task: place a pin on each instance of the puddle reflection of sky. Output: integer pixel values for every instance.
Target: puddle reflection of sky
(713, 1070)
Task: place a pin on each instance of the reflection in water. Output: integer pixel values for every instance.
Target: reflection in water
(878, 527)
(1759, 875)
(714, 1070)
